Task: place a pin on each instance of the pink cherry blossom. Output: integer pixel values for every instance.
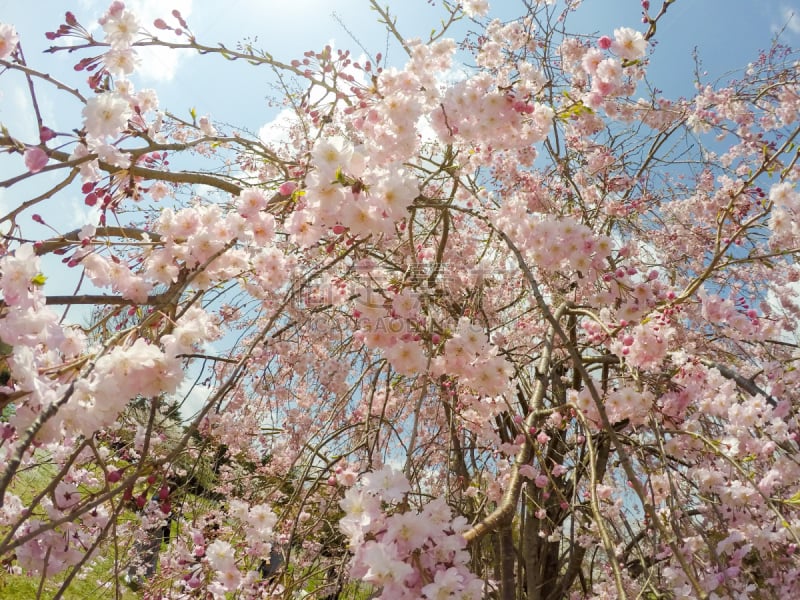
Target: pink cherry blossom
(106, 115)
(628, 44)
(8, 40)
(35, 159)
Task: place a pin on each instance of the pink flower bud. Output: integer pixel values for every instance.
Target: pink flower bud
(604, 42)
(287, 187)
(46, 134)
(194, 583)
(35, 159)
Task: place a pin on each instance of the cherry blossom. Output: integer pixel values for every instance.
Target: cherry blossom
(8, 40)
(494, 316)
(106, 115)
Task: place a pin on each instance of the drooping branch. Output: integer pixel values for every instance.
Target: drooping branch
(134, 170)
(748, 385)
(157, 175)
(73, 237)
(102, 299)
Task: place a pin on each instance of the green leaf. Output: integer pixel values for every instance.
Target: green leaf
(795, 499)
(340, 178)
(38, 279)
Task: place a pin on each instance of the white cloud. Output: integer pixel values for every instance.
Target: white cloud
(792, 19)
(80, 214)
(22, 122)
(277, 131)
(192, 397)
(789, 20)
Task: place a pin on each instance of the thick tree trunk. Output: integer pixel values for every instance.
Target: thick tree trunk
(508, 561)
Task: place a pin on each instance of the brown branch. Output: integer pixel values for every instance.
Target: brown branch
(100, 299)
(748, 385)
(504, 512)
(155, 174)
(34, 73)
(33, 201)
(133, 170)
(72, 238)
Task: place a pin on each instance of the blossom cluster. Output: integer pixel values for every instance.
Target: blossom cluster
(612, 66)
(8, 40)
(343, 194)
(136, 367)
(390, 116)
(477, 113)
(407, 553)
(556, 244)
(474, 360)
(113, 111)
(785, 215)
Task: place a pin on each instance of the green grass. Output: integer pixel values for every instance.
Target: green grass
(96, 580)
(96, 584)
